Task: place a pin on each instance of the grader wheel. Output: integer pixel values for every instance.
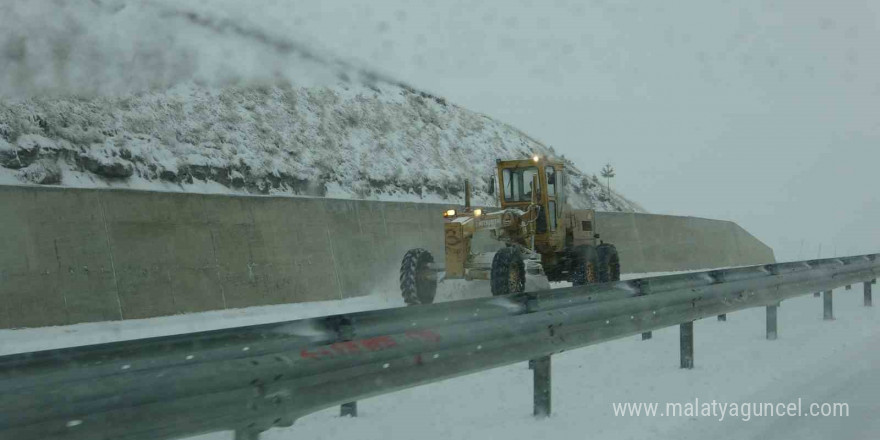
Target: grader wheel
(508, 272)
(609, 263)
(586, 266)
(418, 282)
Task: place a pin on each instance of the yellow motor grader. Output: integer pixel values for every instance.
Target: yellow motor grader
(541, 234)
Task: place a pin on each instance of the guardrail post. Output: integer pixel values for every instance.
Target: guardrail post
(686, 331)
(541, 369)
(348, 409)
(345, 332)
(645, 289)
(722, 317)
(247, 434)
(868, 302)
(827, 309)
(771, 322)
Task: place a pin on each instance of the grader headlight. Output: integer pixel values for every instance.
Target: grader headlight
(449, 213)
(536, 158)
(478, 212)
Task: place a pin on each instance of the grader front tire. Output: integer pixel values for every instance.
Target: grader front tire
(508, 272)
(418, 282)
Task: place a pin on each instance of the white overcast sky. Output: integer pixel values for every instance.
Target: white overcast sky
(766, 113)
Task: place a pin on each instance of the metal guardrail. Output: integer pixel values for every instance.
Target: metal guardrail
(250, 379)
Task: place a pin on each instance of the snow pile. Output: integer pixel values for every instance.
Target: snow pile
(211, 103)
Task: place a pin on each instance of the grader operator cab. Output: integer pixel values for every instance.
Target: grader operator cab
(541, 235)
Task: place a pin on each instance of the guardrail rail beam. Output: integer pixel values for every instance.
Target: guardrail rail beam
(253, 378)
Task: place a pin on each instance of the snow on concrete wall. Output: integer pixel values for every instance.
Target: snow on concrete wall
(80, 255)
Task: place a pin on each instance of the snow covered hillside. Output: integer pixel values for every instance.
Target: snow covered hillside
(85, 104)
(352, 141)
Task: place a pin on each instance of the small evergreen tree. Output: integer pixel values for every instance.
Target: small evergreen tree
(608, 173)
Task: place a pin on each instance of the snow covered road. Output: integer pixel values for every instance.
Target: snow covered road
(850, 376)
(813, 360)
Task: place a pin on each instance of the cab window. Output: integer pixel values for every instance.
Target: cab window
(518, 183)
(551, 181)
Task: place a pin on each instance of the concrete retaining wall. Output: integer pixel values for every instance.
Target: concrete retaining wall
(80, 255)
(659, 243)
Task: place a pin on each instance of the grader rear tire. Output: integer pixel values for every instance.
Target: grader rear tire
(586, 266)
(508, 272)
(609, 263)
(418, 283)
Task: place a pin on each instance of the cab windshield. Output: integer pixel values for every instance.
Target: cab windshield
(518, 183)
